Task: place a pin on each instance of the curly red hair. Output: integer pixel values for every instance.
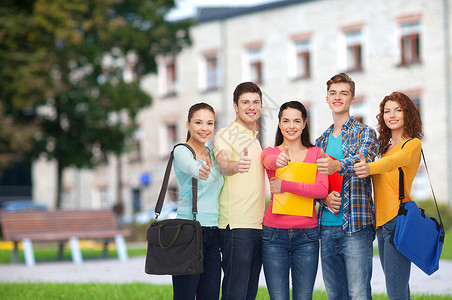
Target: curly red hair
(411, 118)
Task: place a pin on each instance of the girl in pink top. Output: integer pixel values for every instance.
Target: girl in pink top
(291, 242)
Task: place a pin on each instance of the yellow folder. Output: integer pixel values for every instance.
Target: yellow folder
(291, 204)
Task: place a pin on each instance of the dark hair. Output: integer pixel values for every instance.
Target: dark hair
(194, 108)
(305, 139)
(246, 87)
(411, 120)
(341, 78)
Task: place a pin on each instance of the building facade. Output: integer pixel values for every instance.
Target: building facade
(290, 49)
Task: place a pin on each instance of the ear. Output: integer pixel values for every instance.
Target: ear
(236, 108)
(353, 100)
(187, 125)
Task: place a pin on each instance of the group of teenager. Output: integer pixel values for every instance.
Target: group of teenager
(240, 237)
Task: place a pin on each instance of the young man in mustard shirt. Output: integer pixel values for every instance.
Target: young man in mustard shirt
(242, 198)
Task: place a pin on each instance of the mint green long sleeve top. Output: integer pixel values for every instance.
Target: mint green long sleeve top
(186, 168)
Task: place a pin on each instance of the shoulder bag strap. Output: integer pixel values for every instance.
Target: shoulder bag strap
(401, 180)
(401, 185)
(433, 193)
(164, 188)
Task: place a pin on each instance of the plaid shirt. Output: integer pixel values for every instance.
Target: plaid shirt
(359, 208)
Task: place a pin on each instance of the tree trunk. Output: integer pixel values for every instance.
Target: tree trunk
(59, 188)
(119, 206)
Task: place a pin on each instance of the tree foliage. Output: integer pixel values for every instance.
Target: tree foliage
(70, 74)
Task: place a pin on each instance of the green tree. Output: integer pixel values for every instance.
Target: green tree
(73, 57)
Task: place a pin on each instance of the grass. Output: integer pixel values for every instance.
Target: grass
(101, 291)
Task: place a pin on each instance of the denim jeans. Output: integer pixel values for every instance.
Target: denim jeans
(396, 267)
(346, 262)
(207, 284)
(241, 262)
(296, 250)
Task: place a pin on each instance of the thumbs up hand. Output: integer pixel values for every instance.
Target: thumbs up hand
(244, 162)
(283, 158)
(362, 168)
(204, 171)
(326, 165)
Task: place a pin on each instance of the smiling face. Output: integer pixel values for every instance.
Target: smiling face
(291, 124)
(201, 126)
(393, 116)
(248, 109)
(339, 97)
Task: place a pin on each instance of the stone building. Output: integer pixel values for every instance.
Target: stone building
(290, 48)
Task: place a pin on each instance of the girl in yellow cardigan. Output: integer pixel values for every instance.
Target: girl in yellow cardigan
(399, 125)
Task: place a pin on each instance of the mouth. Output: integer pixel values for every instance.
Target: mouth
(291, 132)
(392, 122)
(337, 103)
(204, 135)
(251, 114)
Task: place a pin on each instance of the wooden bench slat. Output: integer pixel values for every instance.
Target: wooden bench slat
(62, 225)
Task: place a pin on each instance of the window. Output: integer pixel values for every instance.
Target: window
(410, 43)
(354, 50)
(136, 141)
(415, 96)
(171, 134)
(170, 78)
(303, 57)
(211, 72)
(255, 61)
(167, 136)
(358, 109)
(167, 77)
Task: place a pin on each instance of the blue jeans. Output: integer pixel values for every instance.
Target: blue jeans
(347, 262)
(396, 267)
(296, 250)
(207, 284)
(241, 262)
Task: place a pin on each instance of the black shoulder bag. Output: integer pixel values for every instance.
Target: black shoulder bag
(174, 245)
(418, 237)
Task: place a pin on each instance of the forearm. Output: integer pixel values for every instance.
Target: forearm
(227, 167)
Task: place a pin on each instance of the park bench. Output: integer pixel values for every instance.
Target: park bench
(62, 226)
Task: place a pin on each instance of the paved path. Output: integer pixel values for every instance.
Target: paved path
(113, 271)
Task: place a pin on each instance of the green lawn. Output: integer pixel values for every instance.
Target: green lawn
(136, 291)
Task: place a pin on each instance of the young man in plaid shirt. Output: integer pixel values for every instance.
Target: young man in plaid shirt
(346, 218)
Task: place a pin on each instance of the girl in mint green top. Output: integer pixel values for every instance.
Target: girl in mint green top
(200, 125)
(185, 168)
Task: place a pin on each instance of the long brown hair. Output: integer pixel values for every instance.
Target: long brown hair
(305, 139)
(194, 108)
(411, 120)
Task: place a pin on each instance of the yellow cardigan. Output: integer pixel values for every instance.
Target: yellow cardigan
(385, 178)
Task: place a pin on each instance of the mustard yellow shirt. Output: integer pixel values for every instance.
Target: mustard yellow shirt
(242, 198)
(385, 178)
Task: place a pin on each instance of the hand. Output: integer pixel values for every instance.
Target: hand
(275, 185)
(362, 168)
(333, 201)
(204, 171)
(244, 162)
(283, 158)
(327, 165)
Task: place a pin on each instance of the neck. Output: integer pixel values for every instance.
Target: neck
(339, 120)
(246, 125)
(293, 145)
(397, 137)
(197, 146)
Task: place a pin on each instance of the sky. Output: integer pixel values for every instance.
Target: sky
(186, 8)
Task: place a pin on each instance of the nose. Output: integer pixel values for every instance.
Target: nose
(392, 114)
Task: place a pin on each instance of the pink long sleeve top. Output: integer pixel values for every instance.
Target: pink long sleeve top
(317, 189)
